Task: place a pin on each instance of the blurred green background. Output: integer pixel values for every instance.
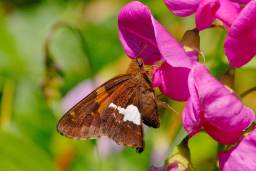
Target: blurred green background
(40, 64)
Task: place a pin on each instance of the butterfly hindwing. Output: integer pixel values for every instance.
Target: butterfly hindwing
(148, 105)
(121, 120)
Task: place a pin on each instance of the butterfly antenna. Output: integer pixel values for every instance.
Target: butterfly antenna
(140, 52)
(202, 55)
(167, 106)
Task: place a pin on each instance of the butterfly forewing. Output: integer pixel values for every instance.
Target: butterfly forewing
(82, 120)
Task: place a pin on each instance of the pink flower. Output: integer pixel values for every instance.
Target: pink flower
(241, 157)
(172, 81)
(242, 1)
(214, 108)
(240, 23)
(240, 42)
(142, 36)
(206, 11)
(182, 7)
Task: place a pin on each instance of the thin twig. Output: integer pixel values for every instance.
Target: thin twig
(245, 93)
(217, 26)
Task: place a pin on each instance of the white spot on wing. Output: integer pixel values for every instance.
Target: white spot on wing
(131, 113)
(112, 105)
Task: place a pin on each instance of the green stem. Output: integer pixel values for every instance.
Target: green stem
(217, 26)
(7, 99)
(245, 93)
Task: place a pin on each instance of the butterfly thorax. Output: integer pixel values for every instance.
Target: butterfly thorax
(136, 68)
(145, 95)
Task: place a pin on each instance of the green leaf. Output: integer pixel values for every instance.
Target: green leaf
(103, 43)
(203, 152)
(17, 153)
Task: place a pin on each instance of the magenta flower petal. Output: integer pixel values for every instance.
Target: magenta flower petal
(221, 113)
(205, 13)
(228, 12)
(172, 81)
(191, 119)
(182, 7)
(241, 1)
(241, 157)
(136, 32)
(190, 114)
(172, 51)
(142, 36)
(240, 42)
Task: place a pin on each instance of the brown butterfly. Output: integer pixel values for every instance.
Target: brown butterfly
(115, 109)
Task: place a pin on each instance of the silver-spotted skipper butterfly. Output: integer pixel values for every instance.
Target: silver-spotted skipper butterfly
(115, 109)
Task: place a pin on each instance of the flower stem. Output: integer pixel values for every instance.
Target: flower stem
(217, 26)
(6, 106)
(245, 93)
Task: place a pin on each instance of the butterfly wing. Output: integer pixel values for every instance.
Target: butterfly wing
(82, 119)
(121, 120)
(94, 116)
(147, 104)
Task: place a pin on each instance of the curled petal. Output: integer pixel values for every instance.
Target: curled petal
(240, 42)
(141, 35)
(228, 12)
(172, 81)
(191, 119)
(241, 157)
(222, 115)
(205, 13)
(182, 7)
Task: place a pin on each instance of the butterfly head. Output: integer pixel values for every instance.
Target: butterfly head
(139, 62)
(136, 66)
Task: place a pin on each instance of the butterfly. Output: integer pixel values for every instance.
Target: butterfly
(116, 109)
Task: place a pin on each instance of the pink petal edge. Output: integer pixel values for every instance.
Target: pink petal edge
(239, 45)
(240, 157)
(182, 7)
